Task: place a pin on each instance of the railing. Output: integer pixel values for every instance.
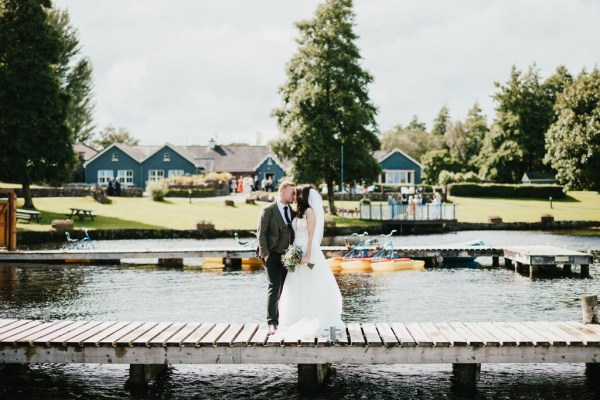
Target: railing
(405, 212)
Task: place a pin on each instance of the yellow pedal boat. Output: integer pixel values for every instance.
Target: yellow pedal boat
(401, 264)
(251, 263)
(335, 263)
(212, 263)
(356, 264)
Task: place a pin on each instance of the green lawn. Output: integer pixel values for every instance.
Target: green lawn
(176, 213)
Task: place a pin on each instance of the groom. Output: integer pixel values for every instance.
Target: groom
(275, 234)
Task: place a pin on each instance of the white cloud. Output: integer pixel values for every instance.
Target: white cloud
(183, 71)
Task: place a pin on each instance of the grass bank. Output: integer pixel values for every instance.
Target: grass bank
(178, 213)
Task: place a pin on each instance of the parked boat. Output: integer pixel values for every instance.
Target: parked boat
(462, 259)
(400, 264)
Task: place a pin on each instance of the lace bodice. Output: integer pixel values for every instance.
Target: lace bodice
(300, 232)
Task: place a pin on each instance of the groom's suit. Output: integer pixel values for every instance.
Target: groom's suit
(274, 237)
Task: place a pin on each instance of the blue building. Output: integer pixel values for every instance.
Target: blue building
(398, 168)
(135, 165)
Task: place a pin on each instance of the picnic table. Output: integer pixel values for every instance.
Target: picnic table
(81, 213)
(28, 215)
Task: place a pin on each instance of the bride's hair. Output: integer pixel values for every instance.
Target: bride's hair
(302, 192)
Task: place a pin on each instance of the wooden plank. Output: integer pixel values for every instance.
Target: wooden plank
(322, 340)
(567, 337)
(403, 335)
(542, 330)
(49, 329)
(46, 339)
(107, 336)
(127, 340)
(588, 340)
(587, 329)
(387, 335)
(419, 334)
(438, 338)
(274, 340)
(229, 336)
(178, 338)
(452, 335)
(96, 337)
(520, 337)
(243, 338)
(146, 338)
(6, 322)
(78, 328)
(199, 334)
(502, 337)
(210, 339)
(535, 336)
(14, 329)
(260, 336)
(473, 336)
(371, 334)
(111, 340)
(161, 338)
(355, 334)
(12, 336)
(90, 337)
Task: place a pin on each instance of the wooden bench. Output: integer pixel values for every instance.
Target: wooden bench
(28, 215)
(81, 213)
(229, 203)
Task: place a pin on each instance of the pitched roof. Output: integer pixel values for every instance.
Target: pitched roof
(381, 155)
(533, 175)
(87, 151)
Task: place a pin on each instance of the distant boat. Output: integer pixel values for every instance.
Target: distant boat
(462, 259)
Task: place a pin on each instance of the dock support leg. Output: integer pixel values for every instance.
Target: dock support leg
(585, 271)
(567, 269)
(170, 262)
(495, 261)
(533, 270)
(465, 376)
(232, 262)
(518, 267)
(507, 262)
(312, 376)
(141, 374)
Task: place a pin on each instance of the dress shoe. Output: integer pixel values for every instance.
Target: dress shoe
(272, 329)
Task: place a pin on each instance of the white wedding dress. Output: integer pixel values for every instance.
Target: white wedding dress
(310, 301)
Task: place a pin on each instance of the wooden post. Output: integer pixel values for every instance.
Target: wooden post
(585, 271)
(533, 270)
(141, 374)
(465, 376)
(495, 261)
(170, 262)
(567, 269)
(507, 262)
(312, 376)
(589, 309)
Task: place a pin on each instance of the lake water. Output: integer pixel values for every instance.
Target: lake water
(129, 292)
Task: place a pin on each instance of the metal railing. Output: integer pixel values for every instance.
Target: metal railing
(404, 212)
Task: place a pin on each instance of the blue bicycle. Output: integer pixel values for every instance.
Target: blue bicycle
(84, 243)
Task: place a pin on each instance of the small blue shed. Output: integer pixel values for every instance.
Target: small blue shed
(398, 168)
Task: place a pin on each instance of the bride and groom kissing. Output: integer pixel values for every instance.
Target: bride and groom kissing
(305, 302)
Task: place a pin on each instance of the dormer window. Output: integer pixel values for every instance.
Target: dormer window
(167, 157)
(115, 157)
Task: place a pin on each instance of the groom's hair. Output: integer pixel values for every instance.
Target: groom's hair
(285, 184)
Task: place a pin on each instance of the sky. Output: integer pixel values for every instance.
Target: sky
(186, 71)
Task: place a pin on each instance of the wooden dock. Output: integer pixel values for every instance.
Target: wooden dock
(149, 346)
(537, 258)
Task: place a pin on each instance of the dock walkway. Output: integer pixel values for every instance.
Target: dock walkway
(149, 345)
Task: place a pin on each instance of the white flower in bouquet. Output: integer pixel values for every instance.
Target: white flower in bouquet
(292, 258)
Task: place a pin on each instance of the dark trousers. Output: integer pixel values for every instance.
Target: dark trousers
(276, 273)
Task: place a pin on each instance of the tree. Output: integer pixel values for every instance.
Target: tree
(573, 140)
(440, 123)
(524, 112)
(111, 135)
(456, 141)
(326, 105)
(476, 129)
(76, 78)
(36, 145)
(412, 139)
(436, 161)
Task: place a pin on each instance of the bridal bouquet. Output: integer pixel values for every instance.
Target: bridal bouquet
(292, 258)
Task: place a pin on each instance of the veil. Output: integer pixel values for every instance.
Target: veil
(316, 203)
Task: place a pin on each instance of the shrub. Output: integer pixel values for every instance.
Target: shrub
(208, 192)
(157, 190)
(505, 190)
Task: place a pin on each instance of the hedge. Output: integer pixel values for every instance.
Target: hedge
(506, 190)
(209, 192)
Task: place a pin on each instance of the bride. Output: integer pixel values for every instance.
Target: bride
(310, 301)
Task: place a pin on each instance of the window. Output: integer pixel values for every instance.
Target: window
(175, 172)
(104, 176)
(167, 157)
(115, 157)
(125, 176)
(399, 176)
(155, 174)
(269, 161)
